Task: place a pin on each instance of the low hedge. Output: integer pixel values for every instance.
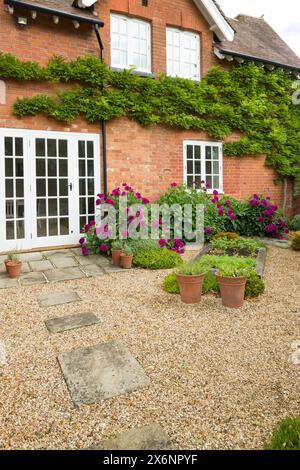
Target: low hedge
(157, 259)
(286, 436)
(210, 284)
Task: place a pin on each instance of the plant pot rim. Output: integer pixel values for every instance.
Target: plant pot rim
(14, 263)
(190, 275)
(230, 277)
(126, 256)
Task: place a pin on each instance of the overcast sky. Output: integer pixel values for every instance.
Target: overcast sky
(283, 16)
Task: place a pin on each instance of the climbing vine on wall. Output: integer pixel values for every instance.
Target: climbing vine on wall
(247, 99)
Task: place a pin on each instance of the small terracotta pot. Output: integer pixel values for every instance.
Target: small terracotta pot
(232, 290)
(5, 262)
(116, 257)
(190, 288)
(126, 261)
(14, 269)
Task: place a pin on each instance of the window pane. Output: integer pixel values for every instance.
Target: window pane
(41, 207)
(90, 168)
(190, 151)
(53, 227)
(41, 227)
(40, 167)
(52, 167)
(52, 187)
(20, 188)
(190, 167)
(208, 168)
(82, 187)
(91, 205)
(216, 153)
(64, 226)
(82, 167)
(9, 209)
(40, 147)
(63, 148)
(9, 188)
(197, 167)
(8, 144)
(9, 167)
(216, 167)
(63, 187)
(18, 146)
(81, 149)
(10, 230)
(216, 182)
(20, 208)
(64, 206)
(19, 167)
(82, 205)
(52, 207)
(90, 149)
(208, 154)
(197, 150)
(20, 229)
(190, 180)
(63, 168)
(91, 189)
(51, 147)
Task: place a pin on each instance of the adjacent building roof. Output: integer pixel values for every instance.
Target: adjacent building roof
(59, 8)
(216, 19)
(255, 39)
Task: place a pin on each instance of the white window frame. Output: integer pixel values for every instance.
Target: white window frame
(130, 51)
(31, 240)
(182, 33)
(203, 145)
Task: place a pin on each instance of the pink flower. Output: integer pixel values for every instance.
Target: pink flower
(228, 203)
(109, 201)
(233, 217)
(123, 193)
(87, 228)
(220, 212)
(145, 200)
(215, 193)
(103, 248)
(181, 251)
(81, 241)
(92, 223)
(162, 243)
(156, 224)
(138, 195)
(174, 185)
(230, 212)
(98, 202)
(84, 251)
(261, 219)
(208, 230)
(101, 196)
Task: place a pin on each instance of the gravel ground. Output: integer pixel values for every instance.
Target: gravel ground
(220, 379)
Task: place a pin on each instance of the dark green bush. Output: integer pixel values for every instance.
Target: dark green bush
(138, 246)
(255, 285)
(286, 436)
(295, 223)
(157, 259)
(237, 246)
(170, 284)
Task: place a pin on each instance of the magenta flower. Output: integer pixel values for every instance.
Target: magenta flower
(162, 243)
(101, 196)
(230, 212)
(228, 203)
(180, 251)
(123, 193)
(81, 241)
(272, 229)
(174, 185)
(220, 212)
(109, 201)
(208, 230)
(233, 217)
(145, 200)
(138, 195)
(256, 196)
(179, 243)
(98, 202)
(254, 202)
(103, 248)
(286, 230)
(84, 251)
(215, 193)
(87, 228)
(92, 223)
(261, 219)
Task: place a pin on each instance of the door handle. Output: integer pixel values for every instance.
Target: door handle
(70, 186)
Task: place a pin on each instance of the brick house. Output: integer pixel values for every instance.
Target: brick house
(49, 172)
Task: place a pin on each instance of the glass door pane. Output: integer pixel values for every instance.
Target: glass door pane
(87, 186)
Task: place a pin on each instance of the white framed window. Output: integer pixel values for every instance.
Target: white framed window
(130, 43)
(203, 162)
(183, 54)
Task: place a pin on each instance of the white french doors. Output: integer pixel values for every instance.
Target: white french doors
(48, 183)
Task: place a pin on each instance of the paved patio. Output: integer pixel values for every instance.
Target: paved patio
(55, 266)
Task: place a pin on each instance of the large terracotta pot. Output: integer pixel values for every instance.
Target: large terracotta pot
(126, 261)
(14, 269)
(190, 288)
(232, 290)
(116, 257)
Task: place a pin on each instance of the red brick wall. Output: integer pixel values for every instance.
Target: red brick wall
(148, 158)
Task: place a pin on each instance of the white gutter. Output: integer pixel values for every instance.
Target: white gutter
(215, 19)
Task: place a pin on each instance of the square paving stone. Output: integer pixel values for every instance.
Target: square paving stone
(151, 437)
(31, 257)
(71, 322)
(64, 261)
(93, 259)
(43, 265)
(54, 253)
(67, 274)
(93, 270)
(99, 372)
(7, 283)
(32, 279)
(58, 298)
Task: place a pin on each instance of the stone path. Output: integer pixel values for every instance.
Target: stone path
(55, 266)
(71, 322)
(151, 437)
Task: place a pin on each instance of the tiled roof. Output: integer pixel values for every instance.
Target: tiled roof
(62, 6)
(255, 38)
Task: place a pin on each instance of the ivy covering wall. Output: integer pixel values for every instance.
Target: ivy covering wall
(248, 99)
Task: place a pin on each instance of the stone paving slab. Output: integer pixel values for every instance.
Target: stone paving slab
(64, 261)
(31, 279)
(43, 265)
(93, 259)
(53, 253)
(31, 256)
(93, 270)
(58, 298)
(6, 282)
(67, 274)
(71, 322)
(151, 437)
(100, 372)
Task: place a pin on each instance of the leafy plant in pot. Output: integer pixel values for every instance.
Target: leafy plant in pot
(232, 279)
(126, 257)
(116, 252)
(190, 277)
(13, 265)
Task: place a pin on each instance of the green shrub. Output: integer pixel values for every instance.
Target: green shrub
(295, 223)
(210, 283)
(255, 285)
(127, 250)
(171, 284)
(286, 436)
(191, 269)
(296, 241)
(228, 235)
(157, 259)
(237, 246)
(138, 246)
(117, 245)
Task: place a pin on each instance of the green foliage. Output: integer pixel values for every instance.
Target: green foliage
(296, 241)
(295, 223)
(171, 284)
(13, 256)
(231, 266)
(190, 269)
(157, 259)
(210, 283)
(127, 250)
(255, 285)
(138, 246)
(238, 246)
(246, 98)
(117, 245)
(286, 436)
(228, 235)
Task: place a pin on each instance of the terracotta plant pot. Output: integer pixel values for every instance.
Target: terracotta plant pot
(126, 261)
(116, 257)
(190, 288)
(5, 262)
(14, 269)
(232, 290)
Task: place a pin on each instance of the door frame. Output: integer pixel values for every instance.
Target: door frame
(31, 241)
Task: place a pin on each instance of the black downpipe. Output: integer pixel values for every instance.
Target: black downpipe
(103, 123)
